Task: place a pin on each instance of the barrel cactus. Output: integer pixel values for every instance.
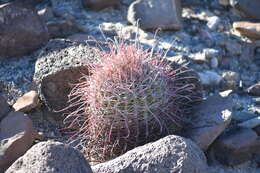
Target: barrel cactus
(133, 96)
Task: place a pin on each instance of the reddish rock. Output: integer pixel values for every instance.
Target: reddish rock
(99, 4)
(16, 137)
(154, 14)
(251, 30)
(21, 29)
(27, 102)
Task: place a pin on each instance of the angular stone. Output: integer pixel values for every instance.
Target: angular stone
(243, 116)
(251, 30)
(154, 14)
(254, 89)
(170, 154)
(27, 102)
(209, 78)
(210, 120)
(59, 66)
(16, 137)
(4, 107)
(248, 7)
(51, 157)
(21, 29)
(99, 4)
(236, 147)
(250, 123)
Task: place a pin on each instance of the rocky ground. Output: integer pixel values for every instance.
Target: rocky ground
(213, 36)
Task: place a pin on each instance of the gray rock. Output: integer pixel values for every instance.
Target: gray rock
(233, 47)
(209, 78)
(210, 52)
(61, 28)
(254, 89)
(236, 147)
(230, 80)
(250, 123)
(21, 29)
(243, 116)
(4, 107)
(224, 2)
(51, 157)
(46, 13)
(16, 137)
(214, 62)
(170, 154)
(153, 14)
(248, 8)
(62, 7)
(60, 65)
(210, 120)
(213, 22)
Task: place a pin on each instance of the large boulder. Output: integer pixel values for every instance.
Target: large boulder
(60, 65)
(16, 137)
(21, 29)
(210, 120)
(170, 154)
(154, 14)
(51, 157)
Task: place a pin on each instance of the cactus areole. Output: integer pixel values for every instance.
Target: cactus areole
(133, 96)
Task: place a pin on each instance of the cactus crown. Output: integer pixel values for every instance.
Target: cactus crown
(132, 97)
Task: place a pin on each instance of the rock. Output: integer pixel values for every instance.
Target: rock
(213, 22)
(99, 4)
(233, 47)
(79, 37)
(210, 120)
(211, 53)
(250, 123)
(170, 154)
(214, 62)
(4, 107)
(251, 30)
(153, 14)
(236, 147)
(224, 2)
(257, 130)
(256, 100)
(21, 30)
(254, 89)
(58, 59)
(27, 102)
(248, 8)
(16, 137)
(51, 157)
(230, 80)
(243, 116)
(60, 28)
(46, 14)
(199, 58)
(209, 78)
(64, 7)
